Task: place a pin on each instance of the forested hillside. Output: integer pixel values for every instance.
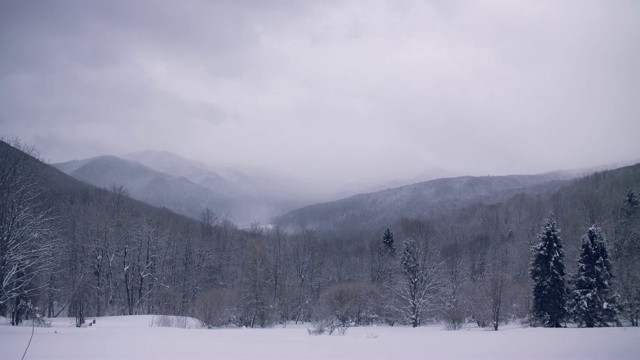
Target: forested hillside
(70, 248)
(421, 200)
(75, 249)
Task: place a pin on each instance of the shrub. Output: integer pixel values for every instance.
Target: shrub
(212, 309)
(170, 321)
(348, 304)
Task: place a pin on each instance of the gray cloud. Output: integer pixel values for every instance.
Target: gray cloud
(332, 91)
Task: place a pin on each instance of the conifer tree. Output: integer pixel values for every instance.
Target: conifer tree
(547, 272)
(387, 241)
(594, 300)
(632, 201)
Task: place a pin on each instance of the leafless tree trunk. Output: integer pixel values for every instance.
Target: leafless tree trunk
(498, 283)
(27, 228)
(306, 258)
(418, 282)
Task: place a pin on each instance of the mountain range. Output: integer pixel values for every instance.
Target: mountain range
(185, 186)
(420, 200)
(188, 187)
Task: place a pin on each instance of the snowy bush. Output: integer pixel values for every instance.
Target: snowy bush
(170, 321)
(348, 303)
(329, 327)
(317, 329)
(211, 308)
(39, 321)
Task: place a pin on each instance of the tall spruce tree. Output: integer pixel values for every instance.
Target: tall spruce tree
(387, 241)
(547, 272)
(594, 301)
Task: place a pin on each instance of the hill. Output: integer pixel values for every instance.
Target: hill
(188, 187)
(425, 199)
(150, 186)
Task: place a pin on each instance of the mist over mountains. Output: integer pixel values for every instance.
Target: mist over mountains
(188, 187)
(230, 181)
(247, 196)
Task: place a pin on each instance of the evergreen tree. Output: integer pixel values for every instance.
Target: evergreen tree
(547, 272)
(632, 201)
(387, 241)
(594, 300)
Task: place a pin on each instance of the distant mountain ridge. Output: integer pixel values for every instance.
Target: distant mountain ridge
(187, 187)
(70, 187)
(108, 170)
(183, 186)
(417, 200)
(146, 184)
(225, 180)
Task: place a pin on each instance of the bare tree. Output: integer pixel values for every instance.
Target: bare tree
(280, 274)
(626, 255)
(498, 282)
(418, 282)
(27, 236)
(306, 266)
(453, 255)
(256, 302)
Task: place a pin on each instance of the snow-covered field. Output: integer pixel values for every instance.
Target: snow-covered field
(132, 337)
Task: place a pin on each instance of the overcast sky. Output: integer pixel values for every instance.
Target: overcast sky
(329, 90)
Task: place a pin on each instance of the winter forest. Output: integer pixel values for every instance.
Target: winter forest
(352, 179)
(565, 257)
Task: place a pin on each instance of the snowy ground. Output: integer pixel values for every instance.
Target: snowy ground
(132, 337)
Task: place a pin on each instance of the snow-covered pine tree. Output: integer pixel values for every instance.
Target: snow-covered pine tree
(594, 301)
(547, 272)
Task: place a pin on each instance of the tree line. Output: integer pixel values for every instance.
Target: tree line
(68, 249)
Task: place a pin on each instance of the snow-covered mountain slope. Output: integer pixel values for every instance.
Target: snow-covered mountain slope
(416, 200)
